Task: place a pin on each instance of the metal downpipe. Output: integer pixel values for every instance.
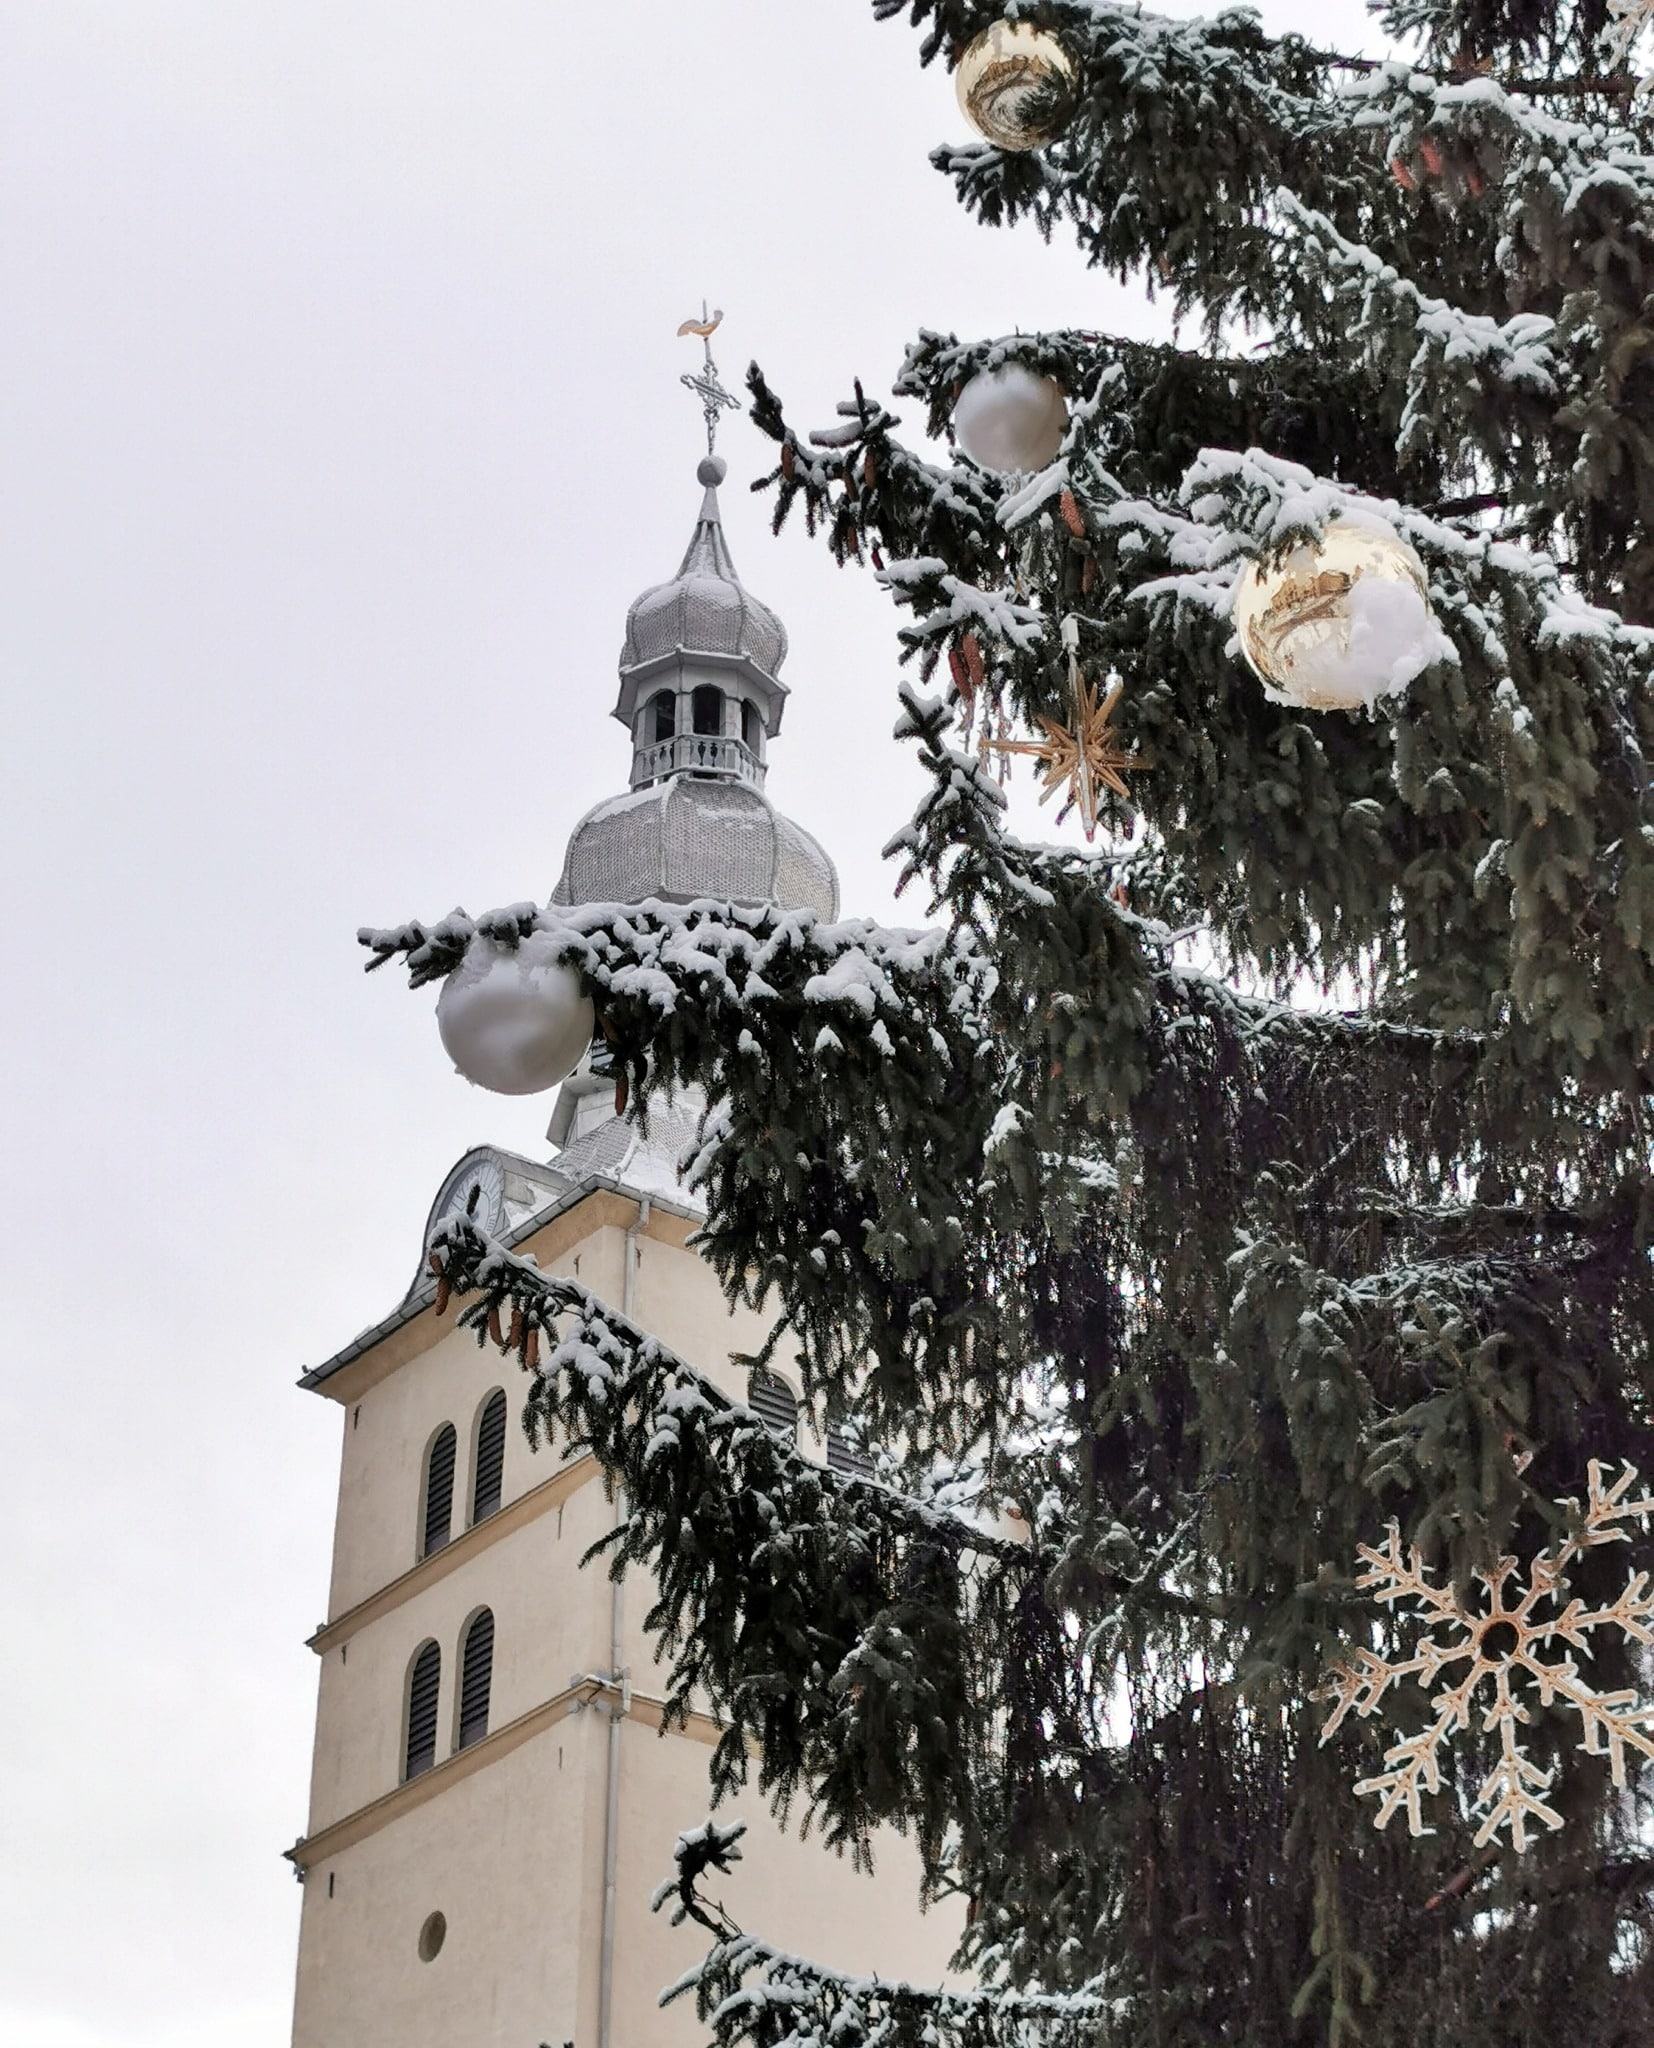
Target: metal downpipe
(619, 1700)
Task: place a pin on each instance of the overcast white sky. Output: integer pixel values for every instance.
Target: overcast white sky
(339, 424)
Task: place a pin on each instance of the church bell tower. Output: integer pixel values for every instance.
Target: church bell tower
(492, 1801)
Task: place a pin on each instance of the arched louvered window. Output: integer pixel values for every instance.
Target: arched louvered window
(437, 1522)
(749, 724)
(476, 1677)
(663, 712)
(773, 1399)
(707, 707)
(845, 1453)
(424, 1684)
(490, 1463)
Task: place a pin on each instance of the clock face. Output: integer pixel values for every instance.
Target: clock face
(487, 1177)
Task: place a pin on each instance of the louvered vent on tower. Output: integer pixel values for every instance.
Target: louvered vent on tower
(439, 1490)
(424, 1685)
(476, 1677)
(846, 1453)
(774, 1401)
(490, 1466)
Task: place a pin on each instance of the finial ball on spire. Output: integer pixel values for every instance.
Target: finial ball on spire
(712, 471)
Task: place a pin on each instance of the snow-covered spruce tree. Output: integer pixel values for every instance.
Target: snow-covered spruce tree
(1218, 1253)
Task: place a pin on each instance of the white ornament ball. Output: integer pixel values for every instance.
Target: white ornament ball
(517, 1020)
(1011, 418)
(1016, 85)
(1336, 624)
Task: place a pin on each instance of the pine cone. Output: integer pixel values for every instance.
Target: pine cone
(971, 648)
(789, 461)
(1072, 517)
(443, 1291)
(1402, 175)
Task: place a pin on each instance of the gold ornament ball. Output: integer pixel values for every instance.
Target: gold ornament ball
(1336, 624)
(1016, 85)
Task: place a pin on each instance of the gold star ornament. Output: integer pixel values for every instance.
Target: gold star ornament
(1085, 758)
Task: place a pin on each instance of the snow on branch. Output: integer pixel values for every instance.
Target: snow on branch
(748, 1991)
(866, 1647)
(610, 1386)
(649, 952)
(1455, 353)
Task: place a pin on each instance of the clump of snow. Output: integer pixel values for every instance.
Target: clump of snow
(1337, 622)
(1386, 636)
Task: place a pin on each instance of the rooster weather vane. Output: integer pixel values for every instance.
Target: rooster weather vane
(706, 385)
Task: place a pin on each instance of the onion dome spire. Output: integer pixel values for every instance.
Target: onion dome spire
(699, 688)
(701, 696)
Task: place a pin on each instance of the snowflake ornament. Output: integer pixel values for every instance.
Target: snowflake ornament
(1524, 1639)
(1628, 20)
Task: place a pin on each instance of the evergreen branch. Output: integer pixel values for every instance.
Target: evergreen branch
(619, 1375)
(748, 1991)
(850, 1637)
(1468, 1216)
(1616, 85)
(956, 21)
(1462, 508)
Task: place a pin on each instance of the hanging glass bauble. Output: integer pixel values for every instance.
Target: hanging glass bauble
(1011, 418)
(1016, 85)
(1336, 623)
(515, 1020)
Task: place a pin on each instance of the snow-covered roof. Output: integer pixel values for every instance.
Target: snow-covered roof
(651, 1181)
(688, 837)
(705, 608)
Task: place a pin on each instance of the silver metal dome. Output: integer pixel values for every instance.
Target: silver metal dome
(705, 609)
(691, 836)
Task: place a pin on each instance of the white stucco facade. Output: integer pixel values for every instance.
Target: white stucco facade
(506, 1837)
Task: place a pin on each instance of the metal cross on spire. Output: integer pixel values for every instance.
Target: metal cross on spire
(706, 387)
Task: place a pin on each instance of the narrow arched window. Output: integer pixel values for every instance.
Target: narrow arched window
(490, 1463)
(749, 724)
(476, 1677)
(424, 1684)
(707, 709)
(437, 1523)
(774, 1400)
(663, 716)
